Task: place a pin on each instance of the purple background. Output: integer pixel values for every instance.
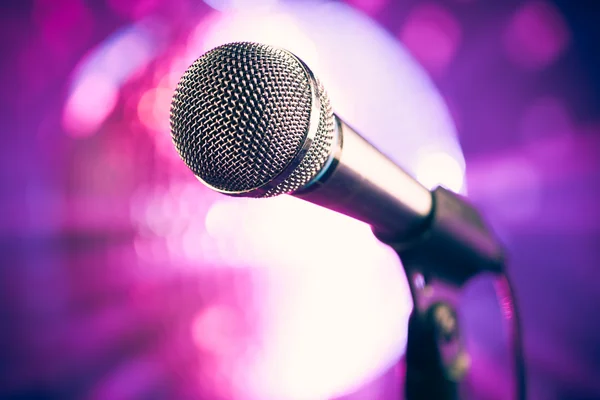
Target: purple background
(82, 316)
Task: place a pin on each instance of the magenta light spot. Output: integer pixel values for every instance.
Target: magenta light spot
(215, 330)
(133, 9)
(153, 109)
(90, 103)
(370, 7)
(536, 35)
(98, 78)
(433, 35)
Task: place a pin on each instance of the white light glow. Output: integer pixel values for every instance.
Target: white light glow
(228, 5)
(91, 101)
(334, 288)
(277, 28)
(440, 168)
(98, 78)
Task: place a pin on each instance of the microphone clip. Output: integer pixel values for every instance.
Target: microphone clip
(454, 246)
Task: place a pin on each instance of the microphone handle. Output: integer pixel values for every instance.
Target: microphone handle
(439, 230)
(364, 184)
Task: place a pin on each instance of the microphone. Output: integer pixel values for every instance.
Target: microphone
(252, 120)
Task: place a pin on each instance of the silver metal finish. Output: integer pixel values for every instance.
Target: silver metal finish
(271, 187)
(364, 184)
(251, 120)
(302, 169)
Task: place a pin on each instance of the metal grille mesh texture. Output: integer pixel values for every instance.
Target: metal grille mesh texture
(241, 113)
(317, 154)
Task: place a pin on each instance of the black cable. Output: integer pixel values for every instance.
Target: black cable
(506, 296)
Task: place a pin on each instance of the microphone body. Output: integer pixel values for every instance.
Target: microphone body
(438, 233)
(252, 120)
(364, 184)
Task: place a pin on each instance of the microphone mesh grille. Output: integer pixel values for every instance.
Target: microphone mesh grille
(318, 153)
(240, 115)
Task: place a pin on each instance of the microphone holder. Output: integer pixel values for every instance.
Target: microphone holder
(455, 246)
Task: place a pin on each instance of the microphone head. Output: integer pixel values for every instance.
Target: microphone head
(252, 120)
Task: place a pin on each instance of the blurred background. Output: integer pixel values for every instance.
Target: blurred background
(122, 277)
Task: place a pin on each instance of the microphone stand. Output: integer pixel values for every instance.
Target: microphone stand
(456, 246)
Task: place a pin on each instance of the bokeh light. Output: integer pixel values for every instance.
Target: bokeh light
(98, 79)
(133, 9)
(536, 35)
(153, 109)
(85, 112)
(370, 7)
(230, 5)
(433, 35)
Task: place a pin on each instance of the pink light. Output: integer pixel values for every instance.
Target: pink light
(151, 250)
(153, 109)
(216, 330)
(98, 77)
(153, 112)
(133, 9)
(433, 35)
(370, 7)
(92, 100)
(536, 35)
